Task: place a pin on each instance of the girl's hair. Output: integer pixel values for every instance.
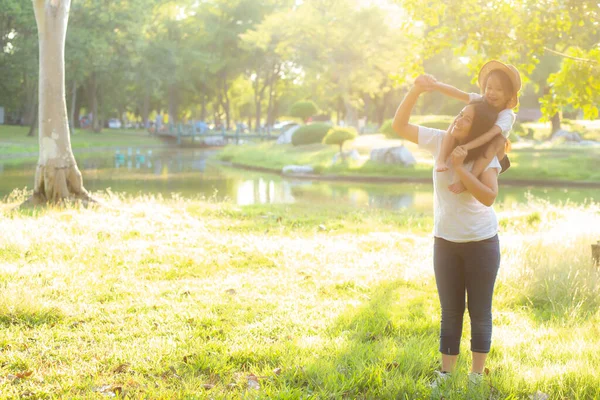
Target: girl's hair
(484, 118)
(505, 81)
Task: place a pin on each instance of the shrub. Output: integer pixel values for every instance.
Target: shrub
(304, 110)
(337, 136)
(388, 131)
(308, 134)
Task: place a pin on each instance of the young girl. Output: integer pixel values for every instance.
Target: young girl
(500, 84)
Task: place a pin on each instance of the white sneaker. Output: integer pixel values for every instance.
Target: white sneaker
(440, 384)
(476, 387)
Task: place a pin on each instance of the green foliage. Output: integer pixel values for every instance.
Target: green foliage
(311, 133)
(304, 109)
(577, 84)
(338, 135)
(387, 129)
(521, 35)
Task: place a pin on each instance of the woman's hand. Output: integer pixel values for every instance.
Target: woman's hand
(425, 83)
(458, 156)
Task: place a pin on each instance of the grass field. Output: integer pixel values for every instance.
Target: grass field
(172, 299)
(14, 139)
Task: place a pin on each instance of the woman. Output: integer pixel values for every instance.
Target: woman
(466, 247)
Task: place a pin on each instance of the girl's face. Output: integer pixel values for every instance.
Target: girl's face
(462, 123)
(495, 94)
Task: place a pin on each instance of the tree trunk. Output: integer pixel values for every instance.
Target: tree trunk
(57, 177)
(555, 123)
(203, 110)
(226, 106)
(73, 105)
(146, 108)
(93, 103)
(34, 122)
(30, 112)
(172, 93)
(342, 152)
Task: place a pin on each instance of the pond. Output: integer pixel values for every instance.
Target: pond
(194, 173)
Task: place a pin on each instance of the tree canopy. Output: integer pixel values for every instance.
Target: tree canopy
(228, 61)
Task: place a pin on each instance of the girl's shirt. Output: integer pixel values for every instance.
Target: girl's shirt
(457, 217)
(506, 117)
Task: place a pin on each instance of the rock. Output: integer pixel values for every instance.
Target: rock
(568, 136)
(286, 136)
(393, 155)
(353, 155)
(589, 143)
(297, 169)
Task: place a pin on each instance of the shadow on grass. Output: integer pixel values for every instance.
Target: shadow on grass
(30, 317)
(386, 348)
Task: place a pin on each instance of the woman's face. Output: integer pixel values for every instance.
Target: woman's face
(462, 123)
(494, 92)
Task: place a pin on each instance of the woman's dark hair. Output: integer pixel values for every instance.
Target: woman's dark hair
(484, 118)
(505, 81)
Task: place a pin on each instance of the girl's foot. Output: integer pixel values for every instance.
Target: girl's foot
(441, 166)
(457, 187)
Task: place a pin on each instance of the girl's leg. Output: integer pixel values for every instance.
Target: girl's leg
(449, 278)
(448, 143)
(482, 261)
(495, 148)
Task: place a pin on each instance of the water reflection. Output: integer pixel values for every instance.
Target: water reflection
(191, 174)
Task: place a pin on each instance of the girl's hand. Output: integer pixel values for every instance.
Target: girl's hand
(425, 82)
(458, 156)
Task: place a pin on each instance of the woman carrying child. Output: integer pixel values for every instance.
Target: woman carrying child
(500, 84)
(466, 245)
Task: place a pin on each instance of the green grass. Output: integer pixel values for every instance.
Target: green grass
(14, 139)
(154, 298)
(541, 162)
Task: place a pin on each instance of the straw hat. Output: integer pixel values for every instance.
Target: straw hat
(509, 70)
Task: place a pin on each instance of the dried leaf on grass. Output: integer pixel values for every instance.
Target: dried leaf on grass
(253, 382)
(109, 390)
(122, 368)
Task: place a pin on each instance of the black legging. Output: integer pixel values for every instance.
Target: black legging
(470, 267)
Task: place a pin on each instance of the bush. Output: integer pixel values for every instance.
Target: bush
(388, 131)
(308, 134)
(304, 110)
(338, 136)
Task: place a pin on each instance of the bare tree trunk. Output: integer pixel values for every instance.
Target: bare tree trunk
(203, 111)
(29, 112)
(73, 105)
(555, 123)
(34, 122)
(146, 108)
(57, 177)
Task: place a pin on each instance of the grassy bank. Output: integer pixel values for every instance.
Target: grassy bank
(14, 139)
(542, 161)
(173, 298)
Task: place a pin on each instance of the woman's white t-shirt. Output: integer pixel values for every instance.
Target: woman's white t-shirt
(457, 217)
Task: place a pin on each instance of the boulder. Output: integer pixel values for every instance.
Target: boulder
(297, 169)
(286, 136)
(393, 155)
(568, 136)
(352, 154)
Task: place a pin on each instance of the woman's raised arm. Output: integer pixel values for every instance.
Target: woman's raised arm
(400, 124)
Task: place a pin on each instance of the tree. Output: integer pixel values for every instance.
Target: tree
(520, 33)
(304, 110)
(57, 177)
(338, 136)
